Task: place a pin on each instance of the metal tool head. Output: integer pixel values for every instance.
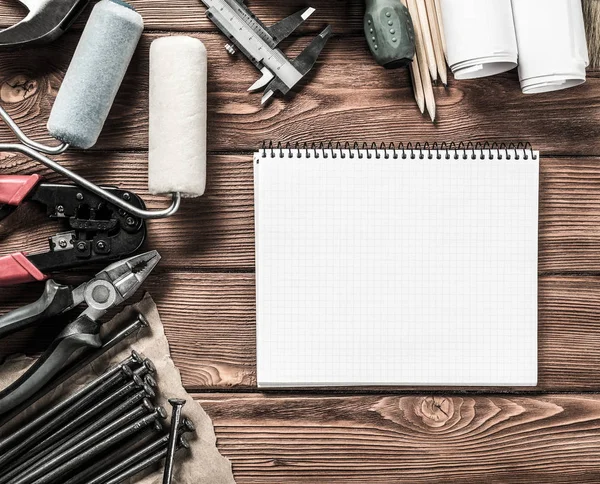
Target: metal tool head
(115, 284)
(129, 274)
(301, 64)
(46, 21)
(259, 44)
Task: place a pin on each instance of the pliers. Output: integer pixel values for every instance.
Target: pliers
(95, 230)
(107, 289)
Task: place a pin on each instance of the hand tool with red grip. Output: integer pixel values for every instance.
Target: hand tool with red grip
(107, 289)
(96, 229)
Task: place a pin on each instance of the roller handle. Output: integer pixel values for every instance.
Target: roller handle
(81, 333)
(390, 34)
(18, 269)
(55, 299)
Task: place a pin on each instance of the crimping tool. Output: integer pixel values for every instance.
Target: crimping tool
(97, 230)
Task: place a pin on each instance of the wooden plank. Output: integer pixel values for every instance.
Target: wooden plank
(346, 98)
(217, 230)
(408, 439)
(210, 322)
(190, 15)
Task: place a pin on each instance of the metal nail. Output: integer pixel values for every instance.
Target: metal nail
(69, 412)
(149, 461)
(149, 379)
(81, 458)
(54, 411)
(146, 451)
(177, 405)
(149, 391)
(187, 425)
(91, 472)
(113, 340)
(39, 453)
(147, 368)
(86, 438)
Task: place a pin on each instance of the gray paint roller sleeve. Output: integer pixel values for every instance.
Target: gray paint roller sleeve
(177, 137)
(95, 73)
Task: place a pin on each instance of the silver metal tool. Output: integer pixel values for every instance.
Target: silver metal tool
(46, 21)
(38, 151)
(259, 44)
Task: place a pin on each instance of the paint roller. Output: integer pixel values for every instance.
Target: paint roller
(177, 104)
(177, 137)
(95, 73)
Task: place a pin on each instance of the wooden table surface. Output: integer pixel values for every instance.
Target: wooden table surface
(204, 286)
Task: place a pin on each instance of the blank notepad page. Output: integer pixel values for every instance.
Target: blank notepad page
(396, 271)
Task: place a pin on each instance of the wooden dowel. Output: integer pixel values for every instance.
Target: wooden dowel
(438, 13)
(421, 57)
(417, 83)
(426, 39)
(440, 59)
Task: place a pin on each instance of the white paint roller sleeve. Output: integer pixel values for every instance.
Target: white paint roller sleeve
(95, 73)
(177, 158)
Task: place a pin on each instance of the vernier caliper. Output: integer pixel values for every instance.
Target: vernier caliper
(259, 44)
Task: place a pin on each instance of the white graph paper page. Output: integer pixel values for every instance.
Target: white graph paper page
(398, 271)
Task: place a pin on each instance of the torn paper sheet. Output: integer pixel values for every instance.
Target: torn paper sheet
(204, 463)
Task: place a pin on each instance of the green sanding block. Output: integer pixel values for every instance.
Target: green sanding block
(390, 33)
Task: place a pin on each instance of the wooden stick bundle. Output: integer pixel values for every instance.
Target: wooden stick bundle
(430, 60)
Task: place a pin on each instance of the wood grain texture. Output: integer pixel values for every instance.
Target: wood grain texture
(190, 15)
(409, 439)
(210, 322)
(217, 230)
(204, 286)
(346, 97)
(214, 231)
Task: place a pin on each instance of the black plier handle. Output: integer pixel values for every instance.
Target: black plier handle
(56, 299)
(81, 333)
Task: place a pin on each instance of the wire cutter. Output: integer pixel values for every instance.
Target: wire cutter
(107, 289)
(96, 230)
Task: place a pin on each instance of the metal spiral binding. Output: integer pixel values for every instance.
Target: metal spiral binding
(456, 151)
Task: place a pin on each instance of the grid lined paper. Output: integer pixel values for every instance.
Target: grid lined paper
(396, 271)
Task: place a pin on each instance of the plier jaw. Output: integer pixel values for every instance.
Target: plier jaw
(96, 231)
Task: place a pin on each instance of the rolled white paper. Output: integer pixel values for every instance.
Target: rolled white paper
(553, 51)
(480, 37)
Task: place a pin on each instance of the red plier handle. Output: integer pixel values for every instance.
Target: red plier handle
(15, 188)
(17, 268)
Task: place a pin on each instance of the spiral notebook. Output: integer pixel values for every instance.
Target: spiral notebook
(396, 267)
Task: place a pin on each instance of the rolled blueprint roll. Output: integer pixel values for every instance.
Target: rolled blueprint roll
(480, 37)
(95, 73)
(553, 51)
(178, 76)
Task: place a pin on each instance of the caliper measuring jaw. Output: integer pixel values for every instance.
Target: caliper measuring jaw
(259, 44)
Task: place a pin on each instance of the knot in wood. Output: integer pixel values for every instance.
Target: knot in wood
(436, 411)
(18, 88)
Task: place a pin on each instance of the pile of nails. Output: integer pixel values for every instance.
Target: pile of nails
(106, 432)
